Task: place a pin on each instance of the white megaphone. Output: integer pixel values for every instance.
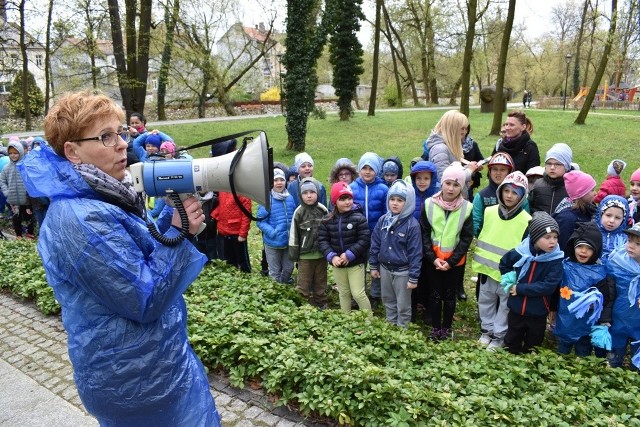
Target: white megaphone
(247, 171)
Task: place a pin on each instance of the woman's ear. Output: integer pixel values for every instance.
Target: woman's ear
(71, 153)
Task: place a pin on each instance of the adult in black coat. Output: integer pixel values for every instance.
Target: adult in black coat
(518, 143)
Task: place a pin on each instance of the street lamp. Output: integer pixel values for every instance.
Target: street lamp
(567, 59)
(279, 56)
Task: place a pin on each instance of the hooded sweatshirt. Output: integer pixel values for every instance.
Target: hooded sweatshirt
(396, 241)
(11, 182)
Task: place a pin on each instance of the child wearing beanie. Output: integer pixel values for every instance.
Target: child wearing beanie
(304, 165)
(577, 206)
(612, 184)
(370, 193)
(634, 196)
(275, 228)
(168, 149)
(148, 143)
(582, 271)
(505, 225)
(447, 232)
(344, 239)
(500, 165)
(531, 273)
(612, 216)
(303, 245)
(391, 170)
(549, 191)
(396, 253)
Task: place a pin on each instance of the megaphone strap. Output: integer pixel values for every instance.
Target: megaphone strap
(220, 139)
(232, 169)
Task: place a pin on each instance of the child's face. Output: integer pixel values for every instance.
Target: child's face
(450, 190)
(292, 178)
(396, 204)
(344, 175)
(279, 184)
(13, 154)
(367, 173)
(498, 173)
(633, 247)
(305, 170)
(635, 190)
(532, 181)
(166, 153)
(390, 177)
(151, 149)
(554, 168)
(583, 253)
(344, 204)
(309, 197)
(423, 180)
(612, 218)
(510, 197)
(547, 242)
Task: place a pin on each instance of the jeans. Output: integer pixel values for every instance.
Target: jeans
(280, 266)
(395, 296)
(582, 347)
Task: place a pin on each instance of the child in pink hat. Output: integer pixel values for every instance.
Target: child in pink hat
(634, 196)
(577, 206)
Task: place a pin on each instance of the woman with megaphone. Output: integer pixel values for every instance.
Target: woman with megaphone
(119, 288)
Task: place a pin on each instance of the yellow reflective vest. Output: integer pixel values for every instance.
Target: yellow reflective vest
(445, 230)
(498, 236)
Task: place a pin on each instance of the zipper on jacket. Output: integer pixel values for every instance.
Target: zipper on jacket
(524, 302)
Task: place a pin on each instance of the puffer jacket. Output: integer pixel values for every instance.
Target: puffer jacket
(122, 304)
(547, 193)
(398, 245)
(612, 185)
(372, 198)
(275, 227)
(345, 233)
(11, 182)
(231, 220)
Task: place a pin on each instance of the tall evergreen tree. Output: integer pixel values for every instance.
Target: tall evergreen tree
(304, 43)
(345, 53)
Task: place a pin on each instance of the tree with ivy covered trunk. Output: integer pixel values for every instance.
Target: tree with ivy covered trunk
(34, 96)
(304, 43)
(345, 53)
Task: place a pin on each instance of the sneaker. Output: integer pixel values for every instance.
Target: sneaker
(485, 339)
(495, 344)
(446, 333)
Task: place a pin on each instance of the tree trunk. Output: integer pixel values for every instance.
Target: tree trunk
(376, 61)
(454, 92)
(582, 116)
(170, 18)
(394, 61)
(47, 60)
(594, 16)
(502, 65)
(431, 57)
(465, 79)
(576, 63)
(402, 57)
(25, 70)
(627, 36)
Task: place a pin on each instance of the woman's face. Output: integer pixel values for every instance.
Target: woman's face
(463, 132)
(110, 160)
(513, 128)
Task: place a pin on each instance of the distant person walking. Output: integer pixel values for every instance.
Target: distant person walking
(525, 98)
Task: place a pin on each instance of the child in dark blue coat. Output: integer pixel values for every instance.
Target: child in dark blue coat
(531, 273)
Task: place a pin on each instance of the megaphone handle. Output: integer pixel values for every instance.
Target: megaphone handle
(183, 197)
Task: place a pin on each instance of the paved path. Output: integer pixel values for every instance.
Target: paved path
(37, 387)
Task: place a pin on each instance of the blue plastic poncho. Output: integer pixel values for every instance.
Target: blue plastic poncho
(122, 305)
(625, 322)
(635, 359)
(578, 278)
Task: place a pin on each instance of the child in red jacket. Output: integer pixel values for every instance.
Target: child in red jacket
(613, 184)
(233, 228)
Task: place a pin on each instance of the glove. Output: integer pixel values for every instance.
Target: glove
(508, 280)
(600, 337)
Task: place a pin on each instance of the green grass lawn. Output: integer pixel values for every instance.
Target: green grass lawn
(401, 133)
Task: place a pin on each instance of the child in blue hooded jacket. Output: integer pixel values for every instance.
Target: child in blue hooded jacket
(396, 253)
(612, 217)
(582, 270)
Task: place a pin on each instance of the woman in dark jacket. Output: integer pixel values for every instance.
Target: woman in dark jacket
(518, 143)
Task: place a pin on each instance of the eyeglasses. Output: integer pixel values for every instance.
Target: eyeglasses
(108, 138)
(553, 165)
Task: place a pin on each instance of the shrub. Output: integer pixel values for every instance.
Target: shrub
(272, 94)
(36, 98)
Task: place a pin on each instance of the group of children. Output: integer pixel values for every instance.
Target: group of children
(413, 235)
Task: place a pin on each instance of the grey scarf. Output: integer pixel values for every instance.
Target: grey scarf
(118, 193)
